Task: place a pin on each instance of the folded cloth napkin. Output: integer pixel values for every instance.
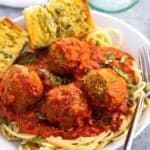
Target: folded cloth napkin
(21, 3)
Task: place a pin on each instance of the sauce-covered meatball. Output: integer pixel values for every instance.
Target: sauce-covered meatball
(104, 88)
(66, 108)
(67, 54)
(20, 87)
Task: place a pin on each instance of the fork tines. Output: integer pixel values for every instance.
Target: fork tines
(144, 62)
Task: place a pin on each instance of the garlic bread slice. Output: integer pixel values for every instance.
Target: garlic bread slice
(40, 26)
(71, 16)
(12, 41)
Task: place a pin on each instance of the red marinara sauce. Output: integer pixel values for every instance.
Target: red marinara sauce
(34, 119)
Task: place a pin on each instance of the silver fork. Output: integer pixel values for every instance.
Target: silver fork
(144, 62)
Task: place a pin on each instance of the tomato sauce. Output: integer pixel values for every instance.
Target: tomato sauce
(29, 122)
(101, 55)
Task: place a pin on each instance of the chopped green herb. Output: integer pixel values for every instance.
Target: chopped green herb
(40, 116)
(3, 121)
(55, 81)
(50, 77)
(123, 59)
(109, 56)
(81, 9)
(46, 73)
(130, 94)
(36, 139)
(105, 63)
(130, 102)
(122, 74)
(97, 43)
(27, 59)
(63, 80)
(6, 55)
(59, 10)
(131, 86)
(130, 99)
(68, 26)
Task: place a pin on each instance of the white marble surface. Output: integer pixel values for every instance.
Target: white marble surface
(139, 17)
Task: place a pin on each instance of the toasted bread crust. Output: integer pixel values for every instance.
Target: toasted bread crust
(74, 14)
(12, 40)
(63, 19)
(84, 5)
(40, 32)
(6, 21)
(28, 25)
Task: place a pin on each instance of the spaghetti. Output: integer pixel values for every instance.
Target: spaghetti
(106, 37)
(30, 142)
(76, 94)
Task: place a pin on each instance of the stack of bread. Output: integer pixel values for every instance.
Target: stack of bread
(44, 24)
(12, 41)
(57, 18)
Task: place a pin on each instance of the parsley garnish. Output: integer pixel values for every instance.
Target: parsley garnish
(28, 59)
(36, 139)
(55, 81)
(132, 86)
(122, 74)
(131, 102)
(123, 59)
(50, 76)
(3, 121)
(105, 63)
(6, 55)
(58, 11)
(40, 116)
(63, 80)
(110, 56)
(97, 43)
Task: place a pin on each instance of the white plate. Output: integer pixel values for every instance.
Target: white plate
(21, 3)
(133, 40)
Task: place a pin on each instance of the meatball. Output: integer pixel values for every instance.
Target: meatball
(20, 87)
(66, 108)
(104, 88)
(67, 54)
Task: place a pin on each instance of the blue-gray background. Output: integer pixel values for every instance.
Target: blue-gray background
(139, 17)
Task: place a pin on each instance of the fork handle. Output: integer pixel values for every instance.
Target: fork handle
(132, 128)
